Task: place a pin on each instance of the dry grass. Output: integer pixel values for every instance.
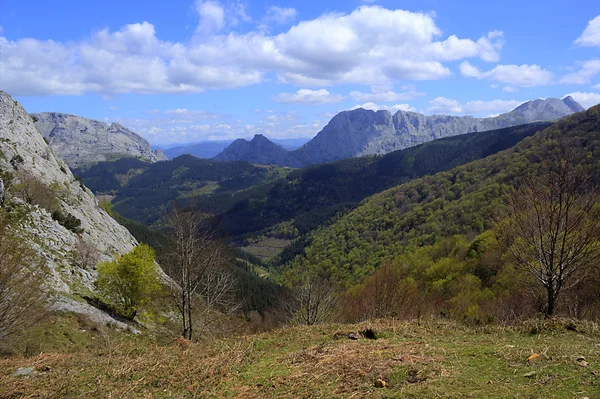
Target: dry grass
(436, 359)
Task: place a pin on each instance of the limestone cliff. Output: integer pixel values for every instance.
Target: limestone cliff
(363, 132)
(82, 142)
(25, 157)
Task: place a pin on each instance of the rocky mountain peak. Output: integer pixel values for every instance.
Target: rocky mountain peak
(364, 132)
(259, 150)
(82, 142)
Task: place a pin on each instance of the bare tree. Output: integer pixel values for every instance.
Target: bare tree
(553, 231)
(22, 273)
(197, 261)
(85, 254)
(311, 299)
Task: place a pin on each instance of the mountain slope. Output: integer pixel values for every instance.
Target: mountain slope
(363, 132)
(82, 142)
(309, 196)
(259, 150)
(38, 184)
(145, 190)
(460, 201)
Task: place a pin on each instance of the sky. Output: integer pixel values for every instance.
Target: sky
(187, 71)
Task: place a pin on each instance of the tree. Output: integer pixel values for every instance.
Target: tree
(130, 281)
(197, 261)
(553, 231)
(311, 298)
(22, 272)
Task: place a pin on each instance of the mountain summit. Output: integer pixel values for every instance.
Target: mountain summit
(82, 142)
(259, 150)
(363, 132)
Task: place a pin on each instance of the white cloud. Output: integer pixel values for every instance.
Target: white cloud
(597, 86)
(386, 96)
(508, 89)
(585, 99)
(392, 108)
(280, 15)
(192, 114)
(307, 96)
(113, 108)
(516, 75)
(371, 45)
(443, 105)
(212, 16)
(591, 35)
(584, 75)
(453, 48)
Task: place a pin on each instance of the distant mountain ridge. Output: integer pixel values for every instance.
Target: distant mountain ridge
(210, 149)
(259, 150)
(361, 132)
(82, 142)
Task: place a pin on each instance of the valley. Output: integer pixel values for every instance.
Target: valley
(227, 199)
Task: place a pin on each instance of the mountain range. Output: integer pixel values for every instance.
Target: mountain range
(362, 132)
(83, 142)
(209, 149)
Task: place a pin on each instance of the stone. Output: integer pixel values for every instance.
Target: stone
(25, 372)
(1, 192)
(529, 374)
(353, 336)
(379, 383)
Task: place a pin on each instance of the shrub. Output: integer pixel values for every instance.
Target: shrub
(130, 281)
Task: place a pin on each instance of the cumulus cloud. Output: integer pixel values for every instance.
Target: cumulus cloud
(591, 35)
(584, 75)
(307, 96)
(392, 108)
(371, 45)
(516, 75)
(585, 99)
(443, 105)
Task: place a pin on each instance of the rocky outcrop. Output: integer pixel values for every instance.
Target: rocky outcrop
(1, 192)
(25, 155)
(82, 142)
(259, 150)
(363, 132)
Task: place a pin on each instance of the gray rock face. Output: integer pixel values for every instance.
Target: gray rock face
(259, 150)
(1, 192)
(82, 142)
(362, 132)
(20, 140)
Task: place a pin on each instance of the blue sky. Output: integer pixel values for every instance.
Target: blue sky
(188, 71)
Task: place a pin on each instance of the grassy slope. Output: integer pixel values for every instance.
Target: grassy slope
(460, 201)
(444, 360)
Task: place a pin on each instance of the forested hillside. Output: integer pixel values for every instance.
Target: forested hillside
(463, 201)
(310, 196)
(144, 190)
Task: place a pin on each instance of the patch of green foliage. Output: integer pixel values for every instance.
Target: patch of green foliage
(130, 281)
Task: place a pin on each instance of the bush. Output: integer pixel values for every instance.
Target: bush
(130, 281)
